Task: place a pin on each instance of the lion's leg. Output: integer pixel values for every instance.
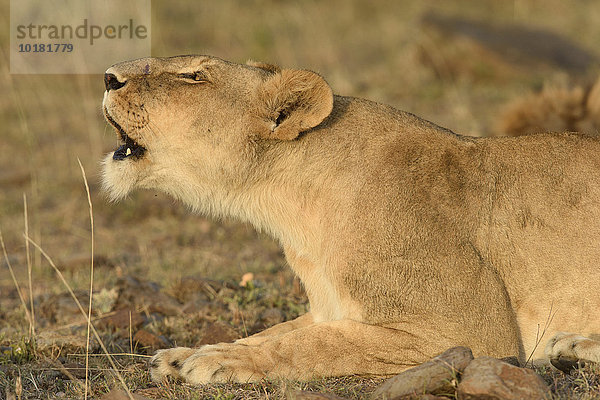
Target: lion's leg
(279, 329)
(565, 349)
(332, 348)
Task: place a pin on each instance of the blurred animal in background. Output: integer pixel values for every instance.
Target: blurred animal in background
(456, 47)
(554, 110)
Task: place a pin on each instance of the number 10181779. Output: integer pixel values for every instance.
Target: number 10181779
(45, 48)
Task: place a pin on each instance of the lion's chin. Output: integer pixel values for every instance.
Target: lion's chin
(119, 178)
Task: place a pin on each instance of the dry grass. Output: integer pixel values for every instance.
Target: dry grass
(379, 50)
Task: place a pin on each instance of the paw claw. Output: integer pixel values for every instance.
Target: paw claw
(567, 351)
(168, 362)
(219, 363)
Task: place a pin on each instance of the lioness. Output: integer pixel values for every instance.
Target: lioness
(408, 238)
(554, 110)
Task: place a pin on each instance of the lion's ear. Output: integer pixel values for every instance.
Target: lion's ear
(293, 101)
(270, 68)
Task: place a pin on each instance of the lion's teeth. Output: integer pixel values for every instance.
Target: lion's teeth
(128, 152)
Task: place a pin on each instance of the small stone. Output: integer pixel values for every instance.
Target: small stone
(489, 378)
(437, 376)
(246, 279)
(217, 332)
(121, 319)
(149, 339)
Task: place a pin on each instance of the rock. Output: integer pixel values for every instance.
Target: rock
(217, 332)
(121, 319)
(149, 339)
(437, 376)
(489, 378)
(306, 395)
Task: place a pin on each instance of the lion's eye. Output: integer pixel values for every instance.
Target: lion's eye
(197, 76)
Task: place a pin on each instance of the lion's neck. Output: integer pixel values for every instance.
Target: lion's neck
(291, 219)
(282, 201)
(285, 206)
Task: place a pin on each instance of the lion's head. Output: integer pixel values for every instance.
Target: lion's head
(195, 125)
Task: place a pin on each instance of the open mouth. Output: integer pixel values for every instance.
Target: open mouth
(130, 148)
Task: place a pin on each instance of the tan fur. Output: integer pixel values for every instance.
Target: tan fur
(554, 110)
(408, 238)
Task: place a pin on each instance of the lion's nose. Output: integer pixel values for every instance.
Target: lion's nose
(111, 82)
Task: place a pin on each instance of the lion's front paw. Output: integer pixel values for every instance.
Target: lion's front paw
(566, 350)
(168, 363)
(217, 363)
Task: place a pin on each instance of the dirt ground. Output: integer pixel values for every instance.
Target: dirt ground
(164, 276)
